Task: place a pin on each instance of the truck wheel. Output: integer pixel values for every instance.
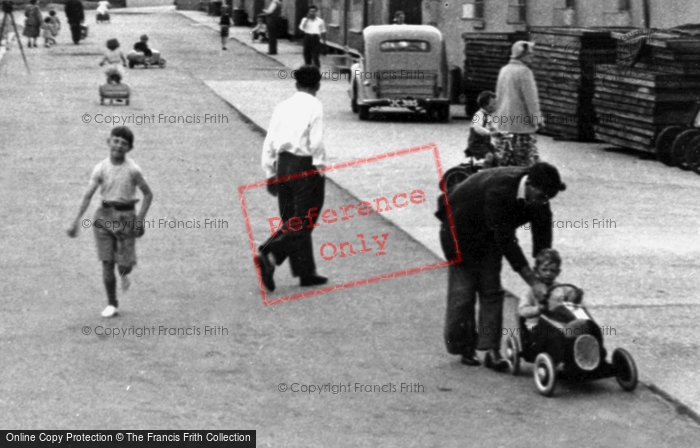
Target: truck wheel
(692, 154)
(364, 112)
(680, 145)
(445, 113)
(353, 101)
(664, 141)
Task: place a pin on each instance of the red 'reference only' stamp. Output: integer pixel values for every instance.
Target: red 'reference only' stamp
(355, 243)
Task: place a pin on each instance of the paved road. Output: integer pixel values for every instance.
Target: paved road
(384, 334)
(627, 227)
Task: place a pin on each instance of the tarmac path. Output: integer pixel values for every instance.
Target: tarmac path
(201, 281)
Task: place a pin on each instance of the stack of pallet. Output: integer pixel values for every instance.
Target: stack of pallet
(653, 85)
(565, 66)
(484, 55)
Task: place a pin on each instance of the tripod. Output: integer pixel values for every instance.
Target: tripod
(7, 7)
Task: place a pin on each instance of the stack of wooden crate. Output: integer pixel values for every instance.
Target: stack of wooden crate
(565, 66)
(484, 55)
(654, 84)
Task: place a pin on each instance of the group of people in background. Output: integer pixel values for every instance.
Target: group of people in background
(35, 25)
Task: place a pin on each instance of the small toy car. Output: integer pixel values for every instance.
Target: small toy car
(137, 58)
(115, 92)
(100, 18)
(567, 343)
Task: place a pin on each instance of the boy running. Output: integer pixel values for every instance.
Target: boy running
(116, 225)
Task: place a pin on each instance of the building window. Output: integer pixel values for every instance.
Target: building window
(623, 5)
(357, 22)
(517, 11)
(570, 4)
(473, 10)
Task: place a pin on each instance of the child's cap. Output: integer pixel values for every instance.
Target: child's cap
(144, 37)
(125, 133)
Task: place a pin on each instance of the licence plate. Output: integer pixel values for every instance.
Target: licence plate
(404, 103)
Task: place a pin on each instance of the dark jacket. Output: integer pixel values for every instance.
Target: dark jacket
(486, 215)
(74, 11)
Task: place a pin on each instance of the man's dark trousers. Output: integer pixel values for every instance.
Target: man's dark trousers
(465, 282)
(312, 49)
(272, 32)
(296, 197)
(75, 30)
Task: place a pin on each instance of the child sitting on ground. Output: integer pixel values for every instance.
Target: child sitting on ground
(114, 57)
(260, 31)
(50, 32)
(547, 269)
(480, 150)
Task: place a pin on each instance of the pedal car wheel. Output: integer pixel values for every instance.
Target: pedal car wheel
(680, 145)
(625, 369)
(454, 176)
(161, 63)
(131, 64)
(513, 355)
(544, 374)
(664, 141)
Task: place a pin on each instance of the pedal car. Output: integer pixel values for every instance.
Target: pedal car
(567, 343)
(403, 68)
(112, 92)
(137, 58)
(459, 173)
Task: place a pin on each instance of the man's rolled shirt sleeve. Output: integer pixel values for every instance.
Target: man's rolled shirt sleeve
(269, 153)
(316, 147)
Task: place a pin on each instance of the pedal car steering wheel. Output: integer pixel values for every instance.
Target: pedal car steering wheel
(574, 294)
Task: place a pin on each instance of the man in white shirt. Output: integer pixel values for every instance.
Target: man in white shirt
(314, 29)
(294, 144)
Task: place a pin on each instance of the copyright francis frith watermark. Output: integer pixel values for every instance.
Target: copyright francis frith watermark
(154, 119)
